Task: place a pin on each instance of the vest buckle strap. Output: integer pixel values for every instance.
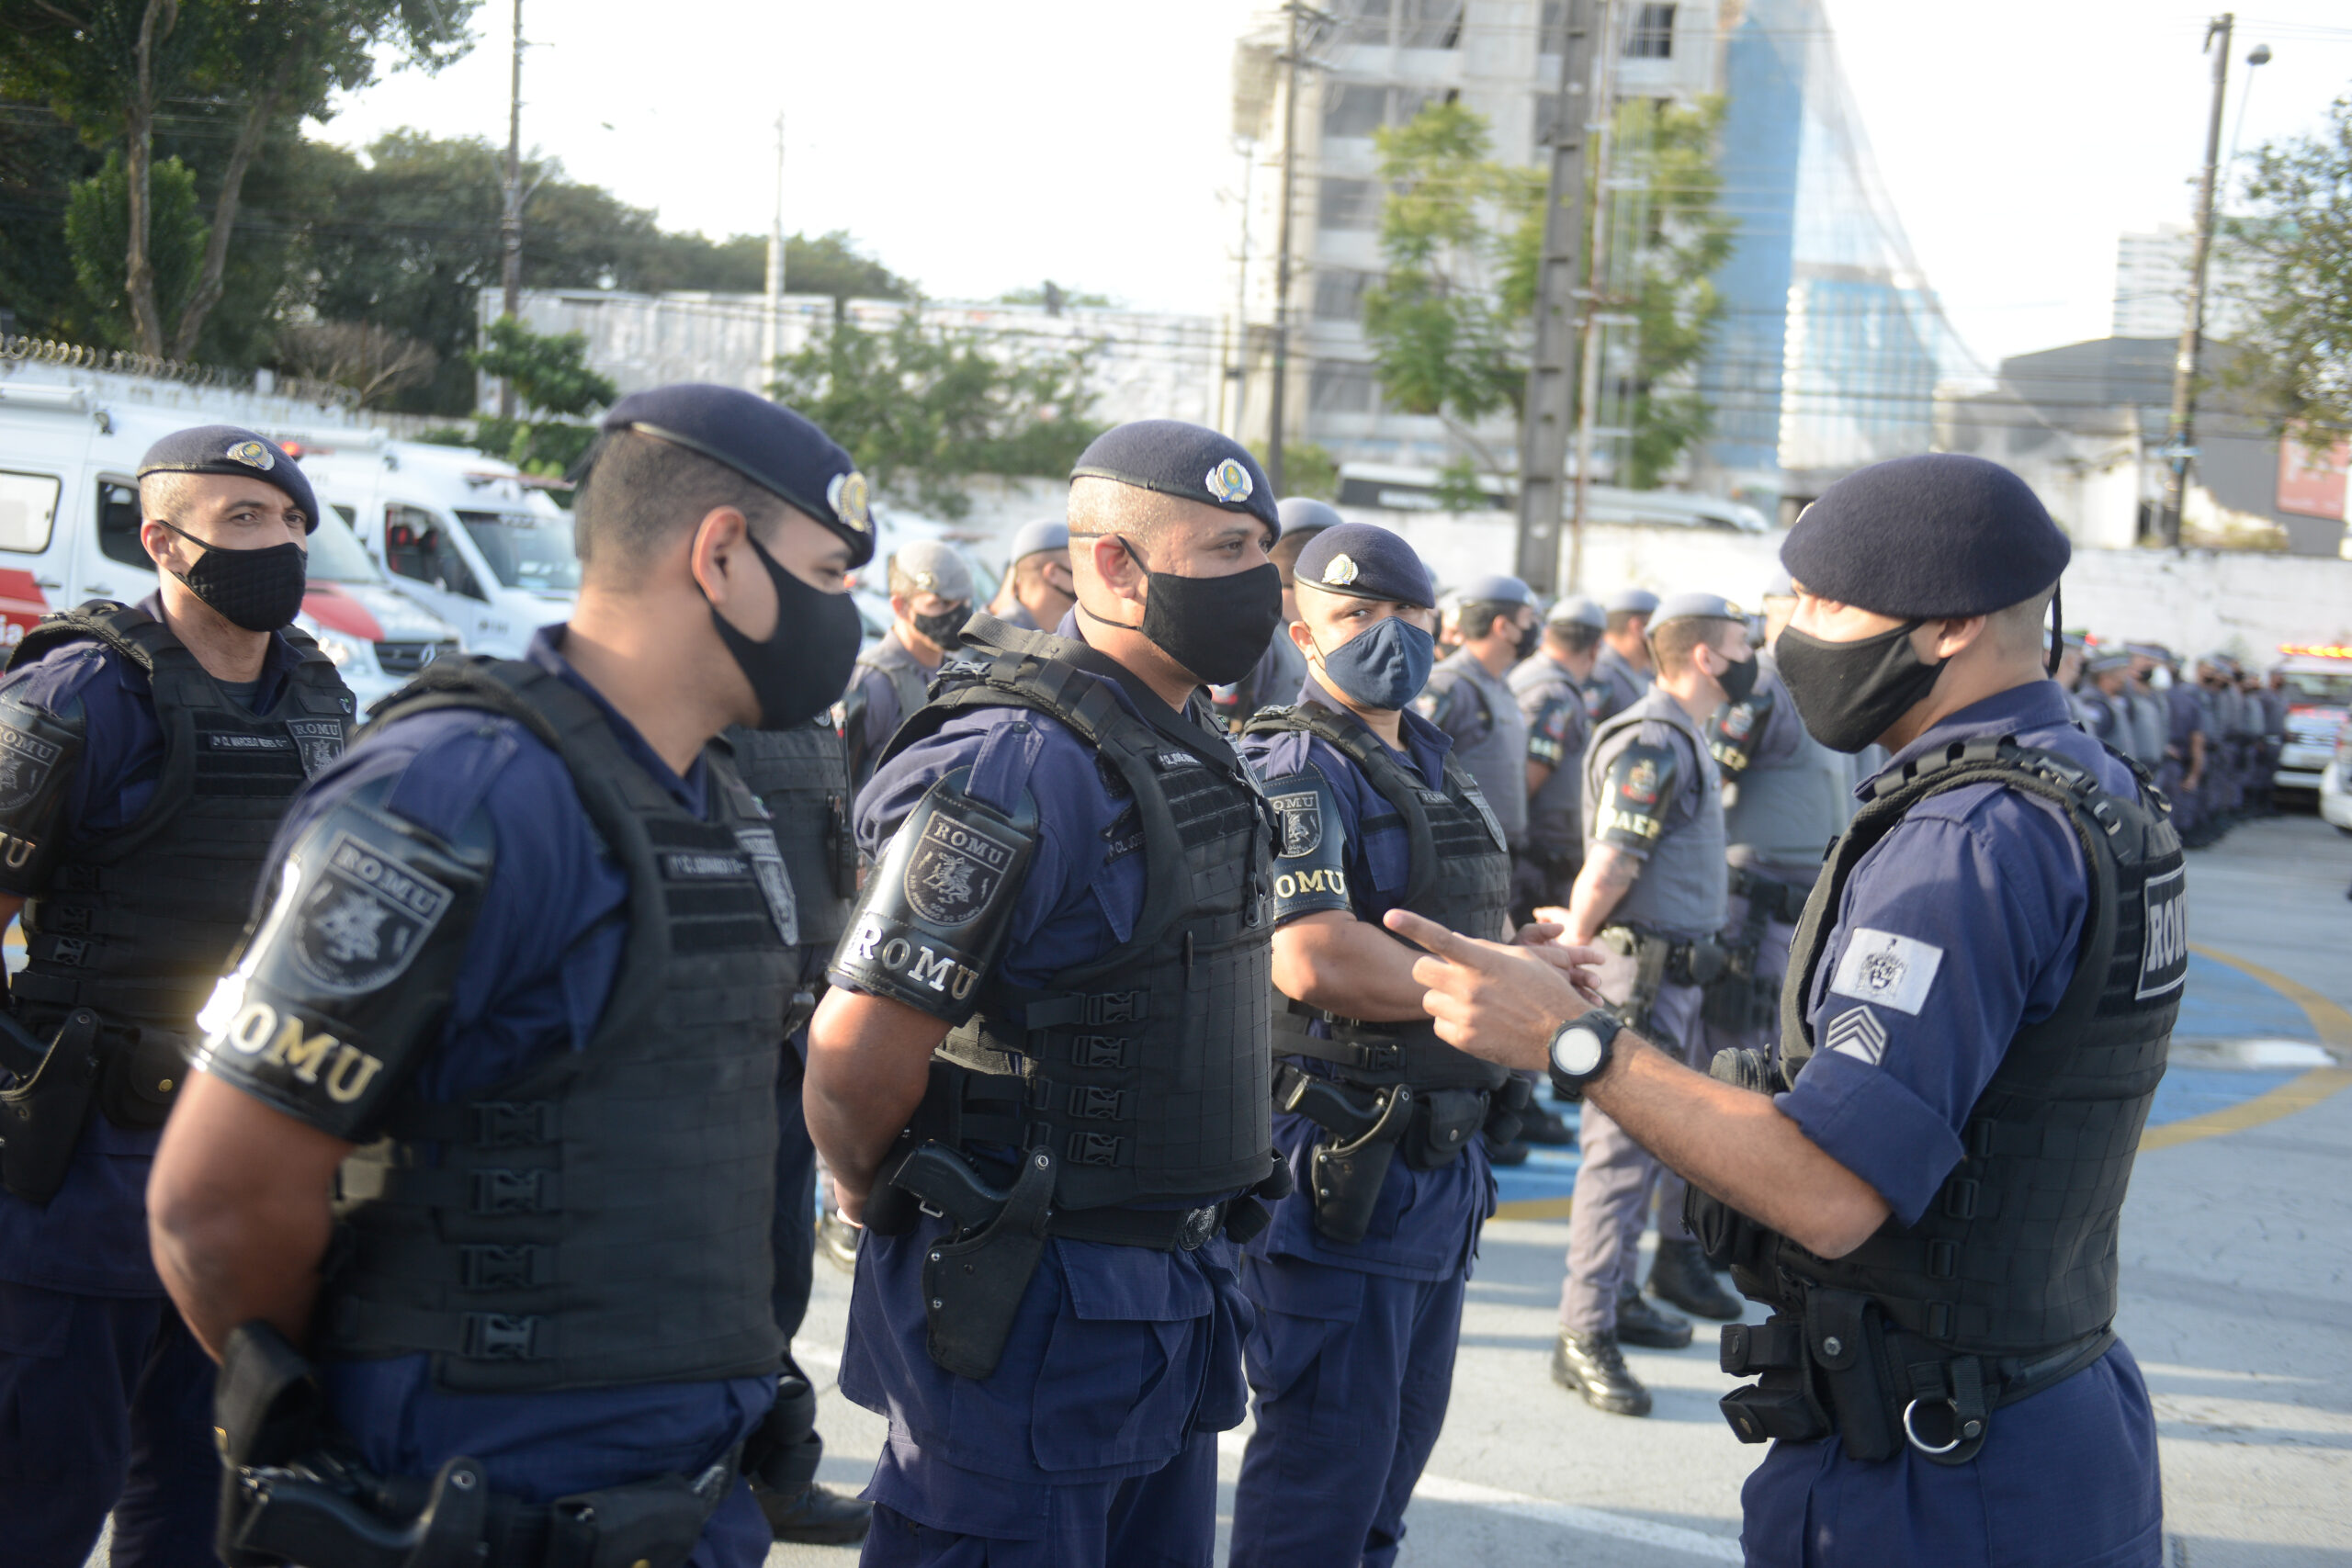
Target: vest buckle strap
(502, 1336)
(498, 1190)
(1118, 1006)
(493, 1267)
(1098, 1051)
(1095, 1149)
(508, 1124)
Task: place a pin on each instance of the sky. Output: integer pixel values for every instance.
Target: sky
(979, 149)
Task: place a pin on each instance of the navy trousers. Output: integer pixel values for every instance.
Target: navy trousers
(1165, 1519)
(1350, 1375)
(106, 1405)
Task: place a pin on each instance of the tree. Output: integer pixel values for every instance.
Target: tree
(550, 374)
(106, 67)
(1462, 237)
(922, 407)
(98, 222)
(2295, 244)
(372, 361)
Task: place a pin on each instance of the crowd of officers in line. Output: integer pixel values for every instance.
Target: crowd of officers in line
(2210, 730)
(1165, 955)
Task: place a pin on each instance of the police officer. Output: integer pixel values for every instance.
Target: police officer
(931, 598)
(1623, 670)
(1359, 1281)
(149, 752)
(1556, 697)
(801, 776)
(1468, 697)
(1058, 974)
(2219, 790)
(2073, 653)
(2189, 751)
(1275, 677)
(1654, 887)
(510, 1024)
(1036, 593)
(1979, 1002)
(2106, 702)
(1786, 796)
(2149, 717)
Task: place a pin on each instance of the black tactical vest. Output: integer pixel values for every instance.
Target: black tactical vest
(603, 1217)
(1149, 1070)
(2018, 1252)
(801, 776)
(1460, 877)
(139, 928)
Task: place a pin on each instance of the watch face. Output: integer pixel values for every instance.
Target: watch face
(1577, 1051)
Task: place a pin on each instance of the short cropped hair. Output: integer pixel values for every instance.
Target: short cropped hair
(1575, 636)
(1671, 644)
(163, 495)
(1476, 619)
(642, 494)
(1621, 621)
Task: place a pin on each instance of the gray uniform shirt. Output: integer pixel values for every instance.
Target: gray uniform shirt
(1665, 807)
(1481, 712)
(889, 683)
(1620, 684)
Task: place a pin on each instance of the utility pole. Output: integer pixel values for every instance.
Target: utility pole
(1599, 135)
(2180, 445)
(1237, 364)
(1282, 246)
(510, 224)
(1543, 427)
(772, 322)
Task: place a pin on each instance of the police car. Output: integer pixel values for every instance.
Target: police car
(69, 445)
(2319, 701)
(2336, 781)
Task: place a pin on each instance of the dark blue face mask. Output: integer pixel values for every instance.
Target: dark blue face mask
(1383, 667)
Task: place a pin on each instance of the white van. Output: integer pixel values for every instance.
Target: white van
(69, 445)
(473, 539)
(1389, 488)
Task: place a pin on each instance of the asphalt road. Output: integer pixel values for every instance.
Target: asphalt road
(2236, 1249)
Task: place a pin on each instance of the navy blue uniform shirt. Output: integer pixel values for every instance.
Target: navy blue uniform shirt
(1425, 1225)
(1119, 1353)
(92, 1237)
(1980, 893)
(539, 966)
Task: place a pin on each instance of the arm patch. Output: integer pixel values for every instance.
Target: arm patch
(38, 753)
(1310, 875)
(1735, 729)
(340, 991)
(1547, 737)
(1634, 795)
(934, 914)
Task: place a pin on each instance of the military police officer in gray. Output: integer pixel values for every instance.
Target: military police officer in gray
(1654, 886)
(1469, 698)
(1623, 671)
(931, 598)
(1556, 698)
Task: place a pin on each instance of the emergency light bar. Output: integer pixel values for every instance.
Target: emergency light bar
(2313, 650)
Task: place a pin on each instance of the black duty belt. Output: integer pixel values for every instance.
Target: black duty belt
(1671, 960)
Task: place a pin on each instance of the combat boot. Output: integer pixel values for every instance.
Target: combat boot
(1680, 1274)
(814, 1516)
(1591, 1365)
(1651, 1328)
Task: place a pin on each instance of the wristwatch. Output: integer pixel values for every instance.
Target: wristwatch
(1580, 1051)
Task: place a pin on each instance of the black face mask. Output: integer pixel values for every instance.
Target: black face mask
(1530, 637)
(258, 590)
(1848, 692)
(941, 628)
(1217, 627)
(801, 669)
(1738, 682)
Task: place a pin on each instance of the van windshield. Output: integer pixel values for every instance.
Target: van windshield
(524, 549)
(336, 555)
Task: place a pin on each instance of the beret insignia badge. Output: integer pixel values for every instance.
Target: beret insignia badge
(846, 495)
(1230, 482)
(1340, 569)
(252, 453)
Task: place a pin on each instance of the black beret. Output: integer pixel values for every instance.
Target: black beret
(1179, 459)
(228, 449)
(1941, 533)
(1365, 562)
(767, 443)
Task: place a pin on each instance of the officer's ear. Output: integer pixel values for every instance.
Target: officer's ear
(1946, 639)
(717, 551)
